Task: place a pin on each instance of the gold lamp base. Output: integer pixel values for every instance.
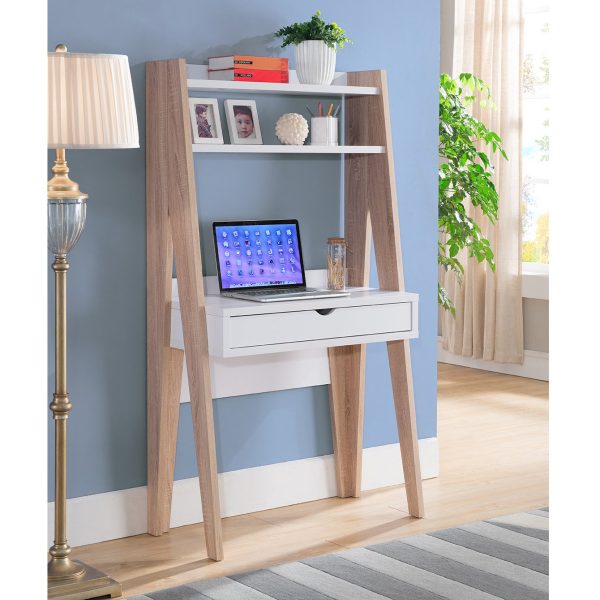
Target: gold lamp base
(91, 584)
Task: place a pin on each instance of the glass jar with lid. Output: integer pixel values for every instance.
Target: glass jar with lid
(336, 263)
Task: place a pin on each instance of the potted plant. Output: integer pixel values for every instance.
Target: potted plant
(464, 177)
(316, 45)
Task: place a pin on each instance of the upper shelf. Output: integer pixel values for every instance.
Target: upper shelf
(282, 149)
(198, 82)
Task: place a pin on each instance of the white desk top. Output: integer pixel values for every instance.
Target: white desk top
(232, 307)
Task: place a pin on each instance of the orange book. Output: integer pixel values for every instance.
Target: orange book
(264, 63)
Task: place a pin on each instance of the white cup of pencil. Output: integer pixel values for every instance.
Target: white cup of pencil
(324, 126)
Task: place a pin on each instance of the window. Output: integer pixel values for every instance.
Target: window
(535, 198)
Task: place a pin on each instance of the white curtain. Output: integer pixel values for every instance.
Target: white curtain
(489, 319)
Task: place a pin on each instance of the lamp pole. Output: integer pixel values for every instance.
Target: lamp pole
(90, 105)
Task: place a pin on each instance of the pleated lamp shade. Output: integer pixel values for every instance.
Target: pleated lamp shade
(90, 101)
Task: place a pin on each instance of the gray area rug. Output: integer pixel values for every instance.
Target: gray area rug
(506, 558)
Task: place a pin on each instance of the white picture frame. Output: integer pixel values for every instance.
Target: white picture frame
(242, 114)
(206, 125)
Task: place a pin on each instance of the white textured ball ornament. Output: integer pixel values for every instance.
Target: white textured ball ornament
(291, 128)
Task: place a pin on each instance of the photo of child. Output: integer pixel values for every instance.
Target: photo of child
(204, 127)
(244, 122)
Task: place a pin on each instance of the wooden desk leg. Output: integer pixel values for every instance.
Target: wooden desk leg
(161, 461)
(401, 372)
(206, 453)
(346, 401)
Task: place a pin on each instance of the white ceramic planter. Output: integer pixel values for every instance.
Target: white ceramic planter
(315, 62)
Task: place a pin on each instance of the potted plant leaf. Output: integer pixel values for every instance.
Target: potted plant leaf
(316, 46)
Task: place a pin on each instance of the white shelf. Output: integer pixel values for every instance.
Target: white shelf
(211, 85)
(282, 149)
(198, 82)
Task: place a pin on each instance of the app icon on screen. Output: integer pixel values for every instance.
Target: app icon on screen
(279, 242)
(269, 242)
(227, 263)
(246, 232)
(291, 250)
(262, 271)
(288, 232)
(257, 233)
(278, 232)
(283, 269)
(267, 232)
(250, 261)
(237, 253)
(226, 244)
(251, 272)
(240, 272)
(238, 262)
(235, 234)
(236, 244)
(290, 241)
(247, 242)
(257, 242)
(271, 261)
(270, 251)
(282, 260)
(293, 269)
(259, 252)
(228, 273)
(227, 253)
(292, 259)
(248, 252)
(261, 261)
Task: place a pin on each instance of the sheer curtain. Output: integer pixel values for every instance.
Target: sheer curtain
(489, 319)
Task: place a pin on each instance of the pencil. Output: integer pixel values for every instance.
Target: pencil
(310, 112)
(337, 110)
(330, 109)
(320, 109)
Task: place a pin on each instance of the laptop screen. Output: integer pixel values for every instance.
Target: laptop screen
(258, 254)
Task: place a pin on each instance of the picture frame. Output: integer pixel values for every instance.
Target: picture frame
(205, 121)
(242, 122)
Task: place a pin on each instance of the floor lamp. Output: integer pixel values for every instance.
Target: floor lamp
(90, 105)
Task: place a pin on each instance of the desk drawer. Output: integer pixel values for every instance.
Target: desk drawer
(308, 325)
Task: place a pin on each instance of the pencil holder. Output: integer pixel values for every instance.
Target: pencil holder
(324, 131)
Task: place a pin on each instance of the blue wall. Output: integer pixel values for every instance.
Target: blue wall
(107, 337)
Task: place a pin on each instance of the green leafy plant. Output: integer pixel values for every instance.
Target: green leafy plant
(315, 29)
(465, 176)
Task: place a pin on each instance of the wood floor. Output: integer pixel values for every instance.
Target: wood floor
(493, 438)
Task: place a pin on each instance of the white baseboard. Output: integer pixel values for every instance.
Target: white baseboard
(535, 364)
(122, 513)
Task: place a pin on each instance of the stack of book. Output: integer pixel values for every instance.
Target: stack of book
(249, 68)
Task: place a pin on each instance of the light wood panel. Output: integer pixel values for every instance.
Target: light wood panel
(174, 145)
(158, 293)
(372, 206)
(347, 363)
(493, 436)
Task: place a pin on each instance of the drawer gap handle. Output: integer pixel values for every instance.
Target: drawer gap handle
(324, 311)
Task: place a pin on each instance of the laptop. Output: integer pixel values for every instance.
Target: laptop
(262, 261)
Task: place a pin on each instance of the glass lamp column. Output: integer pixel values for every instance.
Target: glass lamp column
(67, 579)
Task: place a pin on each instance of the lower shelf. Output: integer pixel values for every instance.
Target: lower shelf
(284, 149)
(243, 328)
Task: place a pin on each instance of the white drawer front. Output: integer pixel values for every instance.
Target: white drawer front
(307, 325)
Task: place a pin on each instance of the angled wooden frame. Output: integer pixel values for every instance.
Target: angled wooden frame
(371, 216)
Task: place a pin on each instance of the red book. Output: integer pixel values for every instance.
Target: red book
(258, 75)
(274, 63)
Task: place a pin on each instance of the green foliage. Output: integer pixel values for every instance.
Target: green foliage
(315, 29)
(464, 176)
